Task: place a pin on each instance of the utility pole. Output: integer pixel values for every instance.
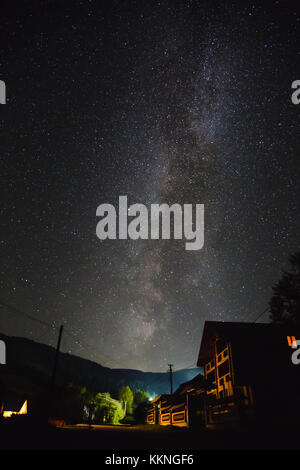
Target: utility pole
(171, 378)
(52, 383)
(56, 356)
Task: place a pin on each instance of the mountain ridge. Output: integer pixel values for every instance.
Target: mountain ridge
(29, 366)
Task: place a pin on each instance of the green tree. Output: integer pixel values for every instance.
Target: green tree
(107, 409)
(126, 398)
(285, 302)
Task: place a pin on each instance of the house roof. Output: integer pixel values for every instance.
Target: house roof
(13, 403)
(195, 382)
(160, 397)
(246, 334)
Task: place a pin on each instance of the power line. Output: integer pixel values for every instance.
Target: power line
(266, 309)
(194, 365)
(42, 336)
(25, 314)
(84, 344)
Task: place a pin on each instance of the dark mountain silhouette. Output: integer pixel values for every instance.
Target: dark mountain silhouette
(29, 366)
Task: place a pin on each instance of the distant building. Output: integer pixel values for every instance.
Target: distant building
(174, 409)
(249, 377)
(17, 407)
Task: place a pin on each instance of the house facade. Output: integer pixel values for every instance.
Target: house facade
(175, 409)
(248, 378)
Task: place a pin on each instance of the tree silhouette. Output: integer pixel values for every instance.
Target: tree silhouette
(140, 397)
(285, 302)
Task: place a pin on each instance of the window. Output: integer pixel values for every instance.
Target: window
(222, 356)
(211, 376)
(210, 365)
(223, 368)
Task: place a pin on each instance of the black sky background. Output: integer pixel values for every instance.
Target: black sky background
(162, 101)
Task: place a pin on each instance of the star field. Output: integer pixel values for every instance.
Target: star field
(162, 101)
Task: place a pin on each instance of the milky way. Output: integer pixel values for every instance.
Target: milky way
(165, 102)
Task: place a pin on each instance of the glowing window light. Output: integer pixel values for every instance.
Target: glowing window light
(292, 341)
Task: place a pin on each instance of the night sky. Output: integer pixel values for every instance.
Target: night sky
(165, 102)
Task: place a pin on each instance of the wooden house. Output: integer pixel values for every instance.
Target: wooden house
(174, 409)
(250, 374)
(248, 379)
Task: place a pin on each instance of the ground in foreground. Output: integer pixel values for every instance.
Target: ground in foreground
(144, 437)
